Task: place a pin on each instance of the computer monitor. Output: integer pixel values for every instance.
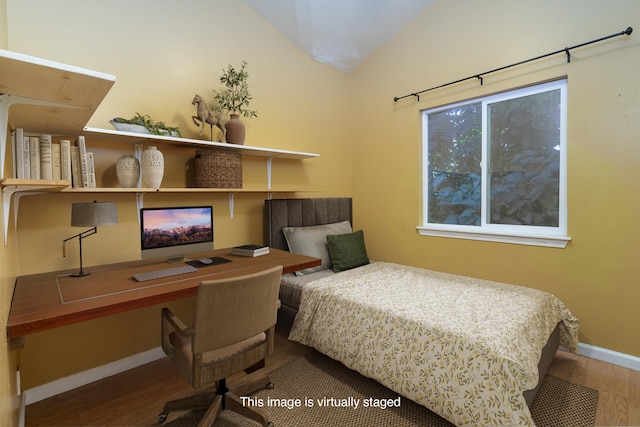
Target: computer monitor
(175, 232)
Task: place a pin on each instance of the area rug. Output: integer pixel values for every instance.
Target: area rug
(323, 381)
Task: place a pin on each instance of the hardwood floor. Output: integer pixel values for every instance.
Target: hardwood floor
(618, 387)
(136, 397)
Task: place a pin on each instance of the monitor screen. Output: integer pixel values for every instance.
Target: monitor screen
(175, 232)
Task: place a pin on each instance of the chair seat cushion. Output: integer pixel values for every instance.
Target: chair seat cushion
(182, 347)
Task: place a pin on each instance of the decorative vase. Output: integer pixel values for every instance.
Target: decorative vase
(128, 171)
(152, 167)
(234, 130)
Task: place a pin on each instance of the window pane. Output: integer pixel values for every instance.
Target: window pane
(524, 160)
(454, 154)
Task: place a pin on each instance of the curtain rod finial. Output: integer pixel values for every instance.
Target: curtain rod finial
(628, 31)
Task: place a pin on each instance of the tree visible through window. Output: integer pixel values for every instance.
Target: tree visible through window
(498, 163)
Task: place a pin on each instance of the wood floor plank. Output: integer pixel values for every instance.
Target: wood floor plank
(634, 398)
(136, 397)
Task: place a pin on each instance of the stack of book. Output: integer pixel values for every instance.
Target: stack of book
(250, 250)
(39, 157)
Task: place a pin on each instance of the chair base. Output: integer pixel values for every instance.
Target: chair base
(220, 399)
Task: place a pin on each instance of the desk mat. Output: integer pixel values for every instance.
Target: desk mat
(108, 282)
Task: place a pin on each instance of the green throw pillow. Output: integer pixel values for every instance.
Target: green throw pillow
(347, 250)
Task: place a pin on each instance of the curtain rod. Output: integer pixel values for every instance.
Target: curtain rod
(566, 50)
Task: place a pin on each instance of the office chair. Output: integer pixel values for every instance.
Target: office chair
(233, 330)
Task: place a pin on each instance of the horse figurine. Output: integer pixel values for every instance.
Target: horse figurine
(205, 116)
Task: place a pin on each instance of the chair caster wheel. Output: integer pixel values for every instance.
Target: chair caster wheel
(162, 417)
(269, 386)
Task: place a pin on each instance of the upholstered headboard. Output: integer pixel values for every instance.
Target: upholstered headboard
(280, 213)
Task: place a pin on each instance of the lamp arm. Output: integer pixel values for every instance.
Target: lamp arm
(80, 236)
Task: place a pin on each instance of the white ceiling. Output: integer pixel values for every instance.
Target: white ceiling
(339, 33)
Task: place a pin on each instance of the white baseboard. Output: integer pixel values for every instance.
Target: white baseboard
(609, 356)
(80, 379)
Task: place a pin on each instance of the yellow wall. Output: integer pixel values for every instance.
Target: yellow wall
(3, 26)
(164, 52)
(596, 275)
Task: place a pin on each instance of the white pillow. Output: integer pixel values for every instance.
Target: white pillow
(312, 241)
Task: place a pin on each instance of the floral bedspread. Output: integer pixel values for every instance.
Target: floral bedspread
(465, 348)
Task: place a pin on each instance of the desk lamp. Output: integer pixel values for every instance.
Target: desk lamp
(90, 215)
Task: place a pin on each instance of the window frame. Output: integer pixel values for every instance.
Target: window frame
(517, 234)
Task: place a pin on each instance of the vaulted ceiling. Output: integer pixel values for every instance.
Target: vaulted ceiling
(339, 33)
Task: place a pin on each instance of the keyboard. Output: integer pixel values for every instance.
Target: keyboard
(167, 272)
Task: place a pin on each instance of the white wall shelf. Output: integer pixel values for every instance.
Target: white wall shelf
(173, 190)
(139, 139)
(13, 189)
(116, 136)
(45, 97)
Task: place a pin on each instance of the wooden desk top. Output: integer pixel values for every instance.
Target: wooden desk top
(49, 300)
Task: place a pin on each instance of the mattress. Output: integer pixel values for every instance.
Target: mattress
(465, 348)
(291, 286)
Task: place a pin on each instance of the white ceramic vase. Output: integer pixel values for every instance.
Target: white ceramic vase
(128, 171)
(152, 167)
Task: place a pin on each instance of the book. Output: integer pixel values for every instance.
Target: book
(65, 160)
(91, 171)
(250, 250)
(46, 168)
(76, 174)
(13, 154)
(26, 158)
(19, 165)
(82, 155)
(34, 156)
(56, 172)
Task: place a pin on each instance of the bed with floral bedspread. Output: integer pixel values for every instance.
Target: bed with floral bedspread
(465, 348)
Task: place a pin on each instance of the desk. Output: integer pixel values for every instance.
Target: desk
(49, 300)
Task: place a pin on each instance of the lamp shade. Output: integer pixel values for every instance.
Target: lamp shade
(93, 214)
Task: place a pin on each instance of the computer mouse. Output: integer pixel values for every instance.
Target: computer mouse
(205, 261)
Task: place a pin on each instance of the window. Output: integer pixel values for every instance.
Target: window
(495, 168)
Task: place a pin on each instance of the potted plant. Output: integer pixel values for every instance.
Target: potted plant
(144, 124)
(234, 100)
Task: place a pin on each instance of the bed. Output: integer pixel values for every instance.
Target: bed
(473, 351)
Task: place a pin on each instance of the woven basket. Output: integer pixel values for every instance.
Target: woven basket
(218, 169)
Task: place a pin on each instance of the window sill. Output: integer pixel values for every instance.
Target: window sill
(518, 239)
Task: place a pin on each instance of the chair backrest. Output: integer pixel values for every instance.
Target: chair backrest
(232, 310)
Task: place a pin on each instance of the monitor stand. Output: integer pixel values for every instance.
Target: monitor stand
(177, 259)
